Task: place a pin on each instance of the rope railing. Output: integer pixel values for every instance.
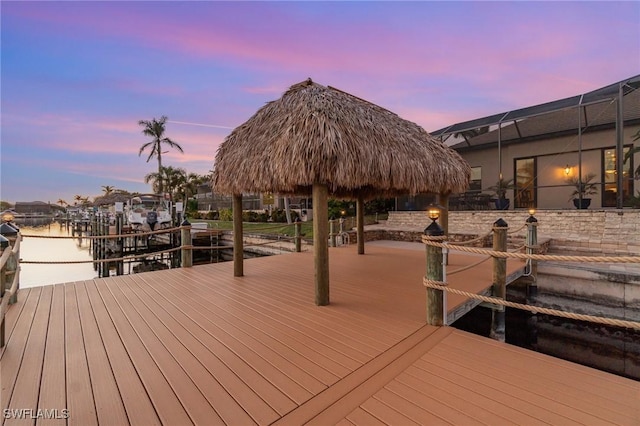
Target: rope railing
(534, 309)
(540, 257)
(475, 240)
(439, 283)
(110, 236)
(8, 296)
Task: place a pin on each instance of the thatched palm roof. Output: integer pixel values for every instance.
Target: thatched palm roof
(318, 134)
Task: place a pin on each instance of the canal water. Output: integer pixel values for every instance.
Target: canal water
(37, 248)
(612, 349)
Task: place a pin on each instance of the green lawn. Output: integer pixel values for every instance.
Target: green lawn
(278, 228)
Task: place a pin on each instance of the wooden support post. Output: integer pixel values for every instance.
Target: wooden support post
(186, 254)
(11, 269)
(320, 243)
(532, 243)
(332, 233)
(500, 228)
(119, 243)
(105, 245)
(360, 223)
(298, 238)
(436, 309)
(238, 248)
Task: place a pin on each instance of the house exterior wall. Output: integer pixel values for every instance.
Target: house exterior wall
(552, 156)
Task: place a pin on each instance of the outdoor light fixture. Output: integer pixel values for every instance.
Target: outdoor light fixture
(531, 218)
(343, 212)
(7, 216)
(567, 170)
(433, 229)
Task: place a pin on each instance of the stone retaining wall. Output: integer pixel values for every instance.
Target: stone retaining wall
(570, 231)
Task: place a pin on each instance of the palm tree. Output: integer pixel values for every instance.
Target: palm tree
(155, 129)
(108, 189)
(173, 177)
(190, 187)
(62, 202)
(77, 198)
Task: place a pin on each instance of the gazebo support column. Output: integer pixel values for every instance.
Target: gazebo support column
(321, 243)
(238, 249)
(360, 223)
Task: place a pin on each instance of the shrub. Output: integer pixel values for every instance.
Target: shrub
(226, 214)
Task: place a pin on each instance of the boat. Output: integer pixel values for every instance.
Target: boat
(149, 212)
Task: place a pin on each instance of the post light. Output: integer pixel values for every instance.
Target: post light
(434, 229)
(343, 212)
(531, 218)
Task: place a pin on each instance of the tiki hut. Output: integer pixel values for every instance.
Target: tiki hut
(322, 141)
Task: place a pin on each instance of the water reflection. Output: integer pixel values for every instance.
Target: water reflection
(52, 249)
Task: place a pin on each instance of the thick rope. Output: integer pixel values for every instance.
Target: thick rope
(103, 237)
(503, 254)
(115, 259)
(464, 268)
(535, 309)
(475, 240)
(517, 229)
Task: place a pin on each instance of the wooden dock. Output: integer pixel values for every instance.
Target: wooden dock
(198, 346)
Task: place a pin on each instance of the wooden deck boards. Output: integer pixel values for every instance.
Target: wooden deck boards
(198, 346)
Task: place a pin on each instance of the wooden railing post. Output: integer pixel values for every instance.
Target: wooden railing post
(499, 287)
(436, 307)
(238, 249)
(119, 243)
(360, 224)
(332, 233)
(532, 242)
(4, 245)
(297, 237)
(186, 253)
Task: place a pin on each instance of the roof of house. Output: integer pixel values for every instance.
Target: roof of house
(598, 110)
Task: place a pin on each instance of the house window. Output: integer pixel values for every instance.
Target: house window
(525, 183)
(609, 178)
(476, 179)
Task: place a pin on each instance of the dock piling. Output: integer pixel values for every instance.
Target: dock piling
(499, 288)
(186, 253)
(436, 306)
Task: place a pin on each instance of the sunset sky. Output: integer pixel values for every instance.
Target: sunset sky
(77, 76)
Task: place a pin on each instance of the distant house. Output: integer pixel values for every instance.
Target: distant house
(34, 208)
(543, 146)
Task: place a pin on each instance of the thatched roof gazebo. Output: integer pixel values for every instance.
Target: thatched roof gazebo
(322, 141)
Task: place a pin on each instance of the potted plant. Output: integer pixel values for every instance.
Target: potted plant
(582, 190)
(500, 190)
(634, 201)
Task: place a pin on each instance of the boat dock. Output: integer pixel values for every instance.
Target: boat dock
(199, 346)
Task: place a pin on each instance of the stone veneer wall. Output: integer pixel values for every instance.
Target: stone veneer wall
(570, 231)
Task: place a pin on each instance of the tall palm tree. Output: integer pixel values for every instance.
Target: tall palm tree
(155, 129)
(77, 198)
(62, 202)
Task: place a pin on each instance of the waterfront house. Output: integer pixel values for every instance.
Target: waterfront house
(538, 149)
